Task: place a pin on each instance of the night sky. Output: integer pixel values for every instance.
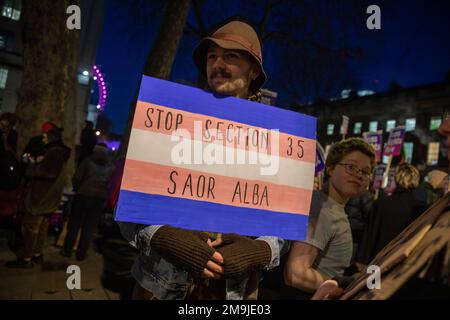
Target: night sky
(412, 48)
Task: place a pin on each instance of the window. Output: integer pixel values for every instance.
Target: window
(3, 77)
(373, 126)
(433, 153)
(12, 9)
(357, 128)
(390, 124)
(408, 149)
(330, 129)
(410, 124)
(435, 122)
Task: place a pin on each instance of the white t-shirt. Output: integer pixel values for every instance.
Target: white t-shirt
(329, 231)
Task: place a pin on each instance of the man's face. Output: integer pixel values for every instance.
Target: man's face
(230, 72)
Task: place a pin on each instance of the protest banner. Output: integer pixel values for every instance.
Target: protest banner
(344, 126)
(375, 139)
(378, 176)
(395, 141)
(390, 185)
(212, 163)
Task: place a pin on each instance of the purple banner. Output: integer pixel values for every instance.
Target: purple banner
(378, 177)
(394, 144)
(320, 158)
(375, 139)
(391, 185)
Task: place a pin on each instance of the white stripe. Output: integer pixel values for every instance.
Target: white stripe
(154, 147)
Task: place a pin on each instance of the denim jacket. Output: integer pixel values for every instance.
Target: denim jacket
(168, 282)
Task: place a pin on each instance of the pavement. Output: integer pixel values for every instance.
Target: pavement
(105, 274)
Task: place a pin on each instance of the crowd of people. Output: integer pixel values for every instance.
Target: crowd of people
(347, 226)
(33, 184)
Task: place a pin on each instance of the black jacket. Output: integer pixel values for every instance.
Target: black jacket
(390, 216)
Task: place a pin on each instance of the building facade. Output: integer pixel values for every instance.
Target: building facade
(419, 109)
(11, 54)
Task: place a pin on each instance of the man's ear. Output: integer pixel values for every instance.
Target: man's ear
(255, 71)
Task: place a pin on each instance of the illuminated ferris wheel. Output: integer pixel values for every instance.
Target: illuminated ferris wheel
(102, 92)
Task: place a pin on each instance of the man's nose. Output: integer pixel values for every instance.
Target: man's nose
(219, 62)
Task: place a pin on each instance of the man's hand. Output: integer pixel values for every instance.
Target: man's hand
(213, 269)
(242, 255)
(329, 290)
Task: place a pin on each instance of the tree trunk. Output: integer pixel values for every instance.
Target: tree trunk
(47, 91)
(160, 60)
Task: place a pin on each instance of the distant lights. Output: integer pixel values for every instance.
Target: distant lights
(98, 77)
(85, 73)
(97, 133)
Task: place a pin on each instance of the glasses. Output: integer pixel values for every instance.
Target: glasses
(354, 170)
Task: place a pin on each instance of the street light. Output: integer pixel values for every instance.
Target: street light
(97, 133)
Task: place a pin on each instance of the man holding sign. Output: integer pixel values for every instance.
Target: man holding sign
(177, 263)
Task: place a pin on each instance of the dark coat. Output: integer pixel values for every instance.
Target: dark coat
(94, 174)
(88, 140)
(46, 180)
(391, 214)
(427, 194)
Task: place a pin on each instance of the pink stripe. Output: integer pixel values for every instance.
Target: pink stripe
(174, 182)
(156, 118)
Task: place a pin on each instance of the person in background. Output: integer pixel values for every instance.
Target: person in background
(90, 184)
(434, 279)
(391, 214)
(432, 189)
(10, 169)
(35, 146)
(8, 134)
(42, 195)
(327, 251)
(88, 140)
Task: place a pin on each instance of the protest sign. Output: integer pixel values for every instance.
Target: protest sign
(212, 163)
(395, 141)
(375, 139)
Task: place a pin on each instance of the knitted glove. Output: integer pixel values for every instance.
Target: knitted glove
(242, 255)
(185, 248)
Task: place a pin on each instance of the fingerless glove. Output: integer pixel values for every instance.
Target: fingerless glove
(242, 255)
(184, 248)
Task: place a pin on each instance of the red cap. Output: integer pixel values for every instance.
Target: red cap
(46, 127)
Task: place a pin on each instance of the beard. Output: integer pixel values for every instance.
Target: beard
(230, 87)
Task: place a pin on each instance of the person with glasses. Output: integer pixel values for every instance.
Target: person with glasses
(421, 271)
(327, 251)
